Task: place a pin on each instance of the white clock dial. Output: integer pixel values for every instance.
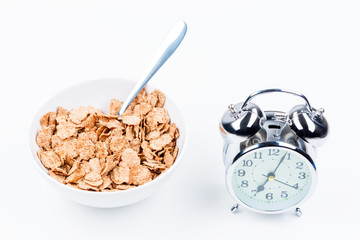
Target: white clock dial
(271, 179)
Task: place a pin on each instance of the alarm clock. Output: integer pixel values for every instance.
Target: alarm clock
(269, 156)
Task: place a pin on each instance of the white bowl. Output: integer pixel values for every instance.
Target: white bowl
(98, 94)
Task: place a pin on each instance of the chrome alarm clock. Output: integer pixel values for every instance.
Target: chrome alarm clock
(269, 156)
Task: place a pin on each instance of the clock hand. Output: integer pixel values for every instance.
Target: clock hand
(281, 160)
(261, 187)
(281, 182)
(270, 175)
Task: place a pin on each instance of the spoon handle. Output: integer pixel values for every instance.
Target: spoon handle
(167, 48)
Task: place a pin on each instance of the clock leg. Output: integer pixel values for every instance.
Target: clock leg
(298, 212)
(235, 208)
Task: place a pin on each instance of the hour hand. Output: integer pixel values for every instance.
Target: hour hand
(259, 189)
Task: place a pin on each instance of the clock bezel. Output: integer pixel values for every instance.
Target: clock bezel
(279, 144)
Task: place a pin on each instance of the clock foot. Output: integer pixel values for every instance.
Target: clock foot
(235, 208)
(298, 212)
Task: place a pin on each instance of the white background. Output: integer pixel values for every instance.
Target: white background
(232, 49)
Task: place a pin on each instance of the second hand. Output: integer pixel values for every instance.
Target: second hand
(281, 182)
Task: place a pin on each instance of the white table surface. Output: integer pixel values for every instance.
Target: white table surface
(232, 49)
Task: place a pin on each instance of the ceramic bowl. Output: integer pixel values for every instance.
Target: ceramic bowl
(98, 94)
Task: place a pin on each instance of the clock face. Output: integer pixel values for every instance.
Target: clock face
(271, 179)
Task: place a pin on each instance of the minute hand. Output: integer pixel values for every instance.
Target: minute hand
(281, 160)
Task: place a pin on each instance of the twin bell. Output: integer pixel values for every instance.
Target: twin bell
(243, 120)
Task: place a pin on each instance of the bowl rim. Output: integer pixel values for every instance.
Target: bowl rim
(81, 191)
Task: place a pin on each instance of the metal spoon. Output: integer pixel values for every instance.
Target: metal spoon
(167, 48)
